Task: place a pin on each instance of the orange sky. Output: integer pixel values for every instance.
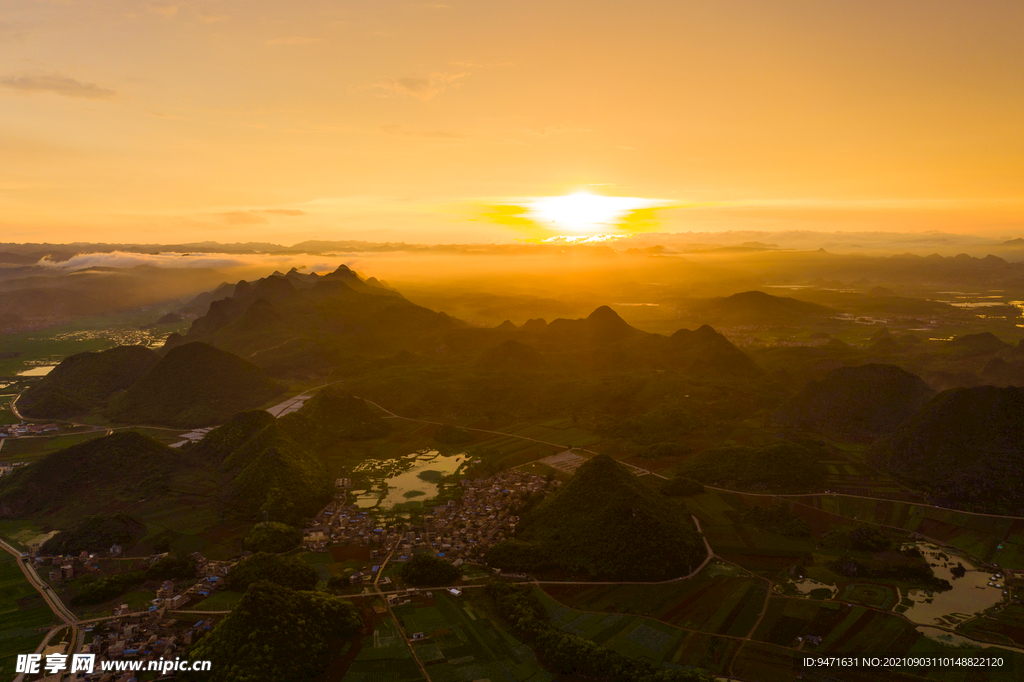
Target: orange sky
(255, 120)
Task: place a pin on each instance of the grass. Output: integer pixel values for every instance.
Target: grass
(466, 641)
(24, 616)
(718, 600)
(629, 635)
(221, 600)
(35, 448)
(383, 655)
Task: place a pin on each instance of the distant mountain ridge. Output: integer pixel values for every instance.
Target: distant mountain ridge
(297, 323)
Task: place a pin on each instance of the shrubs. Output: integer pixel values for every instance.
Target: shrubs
(604, 522)
(285, 571)
(517, 556)
(273, 537)
(427, 570)
(172, 567)
(680, 486)
(96, 534)
(452, 435)
(777, 519)
(783, 467)
(573, 655)
(276, 633)
(93, 589)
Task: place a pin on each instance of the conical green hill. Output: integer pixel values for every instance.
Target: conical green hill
(608, 524)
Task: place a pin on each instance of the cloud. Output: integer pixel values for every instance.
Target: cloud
(164, 10)
(58, 85)
(242, 218)
(292, 212)
(421, 88)
(213, 18)
(223, 261)
(11, 32)
(395, 129)
(295, 40)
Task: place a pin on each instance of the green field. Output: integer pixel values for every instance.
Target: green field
(221, 600)
(50, 346)
(383, 655)
(37, 447)
(464, 641)
(24, 616)
(719, 600)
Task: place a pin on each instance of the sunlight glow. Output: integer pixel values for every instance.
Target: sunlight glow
(583, 212)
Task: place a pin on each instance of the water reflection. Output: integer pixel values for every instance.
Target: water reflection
(412, 478)
(971, 594)
(40, 371)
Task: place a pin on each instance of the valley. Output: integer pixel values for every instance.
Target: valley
(536, 459)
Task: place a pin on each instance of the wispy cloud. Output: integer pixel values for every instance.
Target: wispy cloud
(420, 88)
(164, 10)
(395, 129)
(295, 40)
(291, 212)
(11, 32)
(242, 218)
(58, 85)
(213, 18)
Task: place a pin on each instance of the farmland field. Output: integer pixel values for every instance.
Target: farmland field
(383, 655)
(719, 600)
(463, 640)
(24, 616)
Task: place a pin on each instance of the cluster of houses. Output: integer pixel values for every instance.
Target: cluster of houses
(155, 635)
(67, 567)
(459, 531)
(23, 429)
(9, 467)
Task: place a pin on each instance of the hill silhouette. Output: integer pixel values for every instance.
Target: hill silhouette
(122, 464)
(84, 381)
(758, 308)
(858, 402)
(966, 445)
(297, 324)
(194, 385)
(264, 469)
(705, 351)
(248, 644)
(606, 523)
(331, 416)
(512, 355)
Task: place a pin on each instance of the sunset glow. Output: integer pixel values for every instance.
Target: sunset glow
(263, 120)
(583, 212)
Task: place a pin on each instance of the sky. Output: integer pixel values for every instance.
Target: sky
(453, 121)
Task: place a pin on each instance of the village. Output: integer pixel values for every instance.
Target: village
(458, 531)
(24, 429)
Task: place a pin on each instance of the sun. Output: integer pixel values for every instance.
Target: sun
(583, 212)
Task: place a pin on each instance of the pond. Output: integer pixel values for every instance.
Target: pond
(40, 371)
(413, 478)
(971, 594)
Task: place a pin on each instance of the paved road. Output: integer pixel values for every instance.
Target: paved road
(641, 471)
(51, 599)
